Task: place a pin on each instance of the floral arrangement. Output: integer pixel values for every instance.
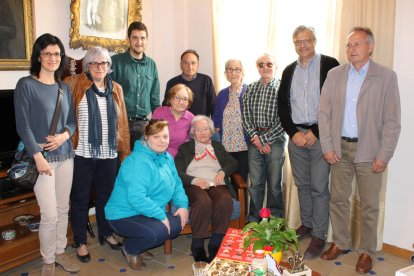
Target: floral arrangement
(270, 234)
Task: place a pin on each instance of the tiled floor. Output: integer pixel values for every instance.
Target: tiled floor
(107, 262)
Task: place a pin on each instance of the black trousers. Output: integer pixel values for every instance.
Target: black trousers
(86, 172)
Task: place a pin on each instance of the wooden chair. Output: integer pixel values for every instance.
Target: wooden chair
(235, 223)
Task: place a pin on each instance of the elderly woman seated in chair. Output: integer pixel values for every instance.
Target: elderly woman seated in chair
(204, 167)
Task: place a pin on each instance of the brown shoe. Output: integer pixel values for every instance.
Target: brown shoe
(146, 255)
(314, 249)
(333, 252)
(364, 264)
(134, 261)
(303, 232)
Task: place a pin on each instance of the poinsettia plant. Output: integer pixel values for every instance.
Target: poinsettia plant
(271, 234)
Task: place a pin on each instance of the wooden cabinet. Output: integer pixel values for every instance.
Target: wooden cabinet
(25, 247)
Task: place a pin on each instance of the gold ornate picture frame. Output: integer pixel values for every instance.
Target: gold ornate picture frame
(102, 23)
(16, 34)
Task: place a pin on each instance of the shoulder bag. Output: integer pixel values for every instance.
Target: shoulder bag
(23, 171)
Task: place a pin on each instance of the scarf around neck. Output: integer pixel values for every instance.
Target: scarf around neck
(202, 150)
(95, 120)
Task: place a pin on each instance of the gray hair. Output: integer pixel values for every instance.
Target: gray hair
(226, 65)
(269, 55)
(93, 54)
(201, 118)
(303, 28)
(367, 31)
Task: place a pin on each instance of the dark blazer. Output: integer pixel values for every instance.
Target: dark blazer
(186, 153)
(284, 108)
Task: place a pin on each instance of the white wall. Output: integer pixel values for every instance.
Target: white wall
(175, 25)
(399, 205)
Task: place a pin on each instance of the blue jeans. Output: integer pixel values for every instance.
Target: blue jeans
(266, 168)
(142, 233)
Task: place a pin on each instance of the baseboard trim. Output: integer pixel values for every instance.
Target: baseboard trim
(396, 251)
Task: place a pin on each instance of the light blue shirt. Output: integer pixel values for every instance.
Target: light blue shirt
(353, 87)
(305, 91)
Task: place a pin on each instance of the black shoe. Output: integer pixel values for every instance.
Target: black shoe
(199, 255)
(113, 246)
(303, 232)
(85, 258)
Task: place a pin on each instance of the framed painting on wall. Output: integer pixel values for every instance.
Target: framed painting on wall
(102, 23)
(16, 34)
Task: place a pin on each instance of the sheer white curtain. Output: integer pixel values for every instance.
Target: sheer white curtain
(244, 29)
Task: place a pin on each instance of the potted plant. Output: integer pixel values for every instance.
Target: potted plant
(270, 234)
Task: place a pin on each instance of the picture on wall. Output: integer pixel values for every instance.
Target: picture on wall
(16, 34)
(102, 23)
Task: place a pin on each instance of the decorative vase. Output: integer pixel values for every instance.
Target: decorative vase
(277, 256)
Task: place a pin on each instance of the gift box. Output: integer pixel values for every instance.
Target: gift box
(232, 249)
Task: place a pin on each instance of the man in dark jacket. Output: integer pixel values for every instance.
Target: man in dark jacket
(298, 102)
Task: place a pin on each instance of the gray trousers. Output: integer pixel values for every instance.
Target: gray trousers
(369, 187)
(311, 174)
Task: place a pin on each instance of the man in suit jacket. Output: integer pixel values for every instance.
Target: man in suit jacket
(298, 101)
(359, 122)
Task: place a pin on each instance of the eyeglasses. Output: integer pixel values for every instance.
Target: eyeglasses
(305, 42)
(50, 55)
(103, 64)
(230, 70)
(179, 99)
(267, 64)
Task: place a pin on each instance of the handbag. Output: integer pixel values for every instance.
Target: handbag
(23, 171)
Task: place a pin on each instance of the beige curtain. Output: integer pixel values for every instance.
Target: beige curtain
(379, 15)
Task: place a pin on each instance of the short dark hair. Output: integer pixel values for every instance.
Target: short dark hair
(137, 25)
(190, 51)
(41, 43)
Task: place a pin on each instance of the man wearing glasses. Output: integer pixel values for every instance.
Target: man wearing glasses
(266, 151)
(298, 101)
(138, 75)
(201, 85)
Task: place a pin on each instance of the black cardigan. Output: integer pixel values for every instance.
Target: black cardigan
(186, 153)
(284, 108)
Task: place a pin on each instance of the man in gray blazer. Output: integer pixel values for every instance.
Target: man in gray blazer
(359, 126)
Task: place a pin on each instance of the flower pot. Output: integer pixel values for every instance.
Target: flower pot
(276, 256)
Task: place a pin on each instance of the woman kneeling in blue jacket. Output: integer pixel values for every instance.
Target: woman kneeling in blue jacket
(146, 183)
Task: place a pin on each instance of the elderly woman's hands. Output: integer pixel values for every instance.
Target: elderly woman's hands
(183, 213)
(203, 184)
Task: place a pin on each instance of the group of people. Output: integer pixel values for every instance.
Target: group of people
(113, 134)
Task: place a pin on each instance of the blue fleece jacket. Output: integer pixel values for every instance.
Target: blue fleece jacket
(146, 182)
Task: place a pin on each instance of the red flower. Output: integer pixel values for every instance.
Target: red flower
(268, 248)
(264, 213)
